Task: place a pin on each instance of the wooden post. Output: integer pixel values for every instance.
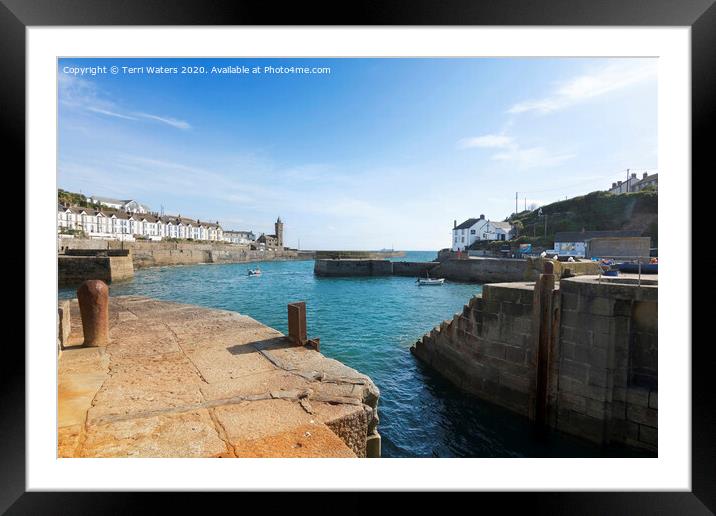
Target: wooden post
(543, 299)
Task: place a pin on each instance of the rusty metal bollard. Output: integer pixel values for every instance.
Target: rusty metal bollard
(297, 323)
(93, 297)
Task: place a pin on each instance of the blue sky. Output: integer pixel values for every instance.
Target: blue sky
(377, 153)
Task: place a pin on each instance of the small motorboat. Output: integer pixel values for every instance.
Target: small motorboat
(255, 272)
(430, 281)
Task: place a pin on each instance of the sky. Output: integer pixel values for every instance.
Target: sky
(372, 154)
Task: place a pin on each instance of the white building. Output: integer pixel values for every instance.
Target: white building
(122, 225)
(474, 230)
(239, 237)
(635, 184)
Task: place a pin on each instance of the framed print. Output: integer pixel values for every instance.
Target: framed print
(260, 242)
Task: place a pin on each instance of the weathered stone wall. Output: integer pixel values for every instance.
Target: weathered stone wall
(501, 270)
(356, 255)
(487, 349)
(606, 381)
(603, 361)
(413, 269)
(150, 254)
(627, 247)
(73, 270)
(353, 268)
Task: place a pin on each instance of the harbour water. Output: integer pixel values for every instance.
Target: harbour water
(369, 324)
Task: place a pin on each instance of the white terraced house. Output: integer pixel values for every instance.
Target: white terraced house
(122, 225)
(473, 230)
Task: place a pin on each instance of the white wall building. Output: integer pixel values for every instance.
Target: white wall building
(474, 230)
(123, 225)
(635, 184)
(239, 237)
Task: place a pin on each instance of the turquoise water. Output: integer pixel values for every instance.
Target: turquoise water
(369, 324)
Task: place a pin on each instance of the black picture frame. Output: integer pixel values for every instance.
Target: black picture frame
(700, 15)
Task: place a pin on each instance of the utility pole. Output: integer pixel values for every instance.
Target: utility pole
(627, 182)
(525, 203)
(516, 202)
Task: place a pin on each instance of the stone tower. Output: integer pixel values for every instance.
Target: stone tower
(279, 233)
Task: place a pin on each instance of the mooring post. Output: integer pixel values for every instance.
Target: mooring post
(544, 300)
(93, 298)
(297, 323)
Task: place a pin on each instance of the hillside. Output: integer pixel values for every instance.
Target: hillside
(71, 198)
(593, 212)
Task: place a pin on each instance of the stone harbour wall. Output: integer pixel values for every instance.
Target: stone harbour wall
(606, 375)
(601, 368)
(153, 254)
(487, 349)
(477, 270)
(73, 270)
(353, 267)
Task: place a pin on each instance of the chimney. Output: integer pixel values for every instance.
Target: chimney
(614, 185)
(454, 224)
(619, 183)
(633, 175)
(646, 174)
(482, 216)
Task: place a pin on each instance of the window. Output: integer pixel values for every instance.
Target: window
(472, 231)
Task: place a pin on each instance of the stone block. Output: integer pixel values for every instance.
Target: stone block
(570, 301)
(494, 349)
(64, 322)
(597, 306)
(572, 402)
(516, 382)
(575, 370)
(653, 400)
(637, 396)
(642, 415)
(515, 354)
(648, 435)
(372, 446)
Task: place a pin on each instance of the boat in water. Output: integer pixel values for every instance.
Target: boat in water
(430, 281)
(255, 272)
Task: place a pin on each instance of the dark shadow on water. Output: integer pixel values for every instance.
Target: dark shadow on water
(470, 427)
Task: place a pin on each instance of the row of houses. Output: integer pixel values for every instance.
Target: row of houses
(124, 225)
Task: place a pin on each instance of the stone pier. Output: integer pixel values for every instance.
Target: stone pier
(579, 356)
(179, 380)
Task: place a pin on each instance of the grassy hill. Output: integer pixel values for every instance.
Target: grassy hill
(596, 211)
(71, 198)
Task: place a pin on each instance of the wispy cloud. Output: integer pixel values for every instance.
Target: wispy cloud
(486, 141)
(532, 157)
(508, 150)
(179, 124)
(609, 78)
(77, 93)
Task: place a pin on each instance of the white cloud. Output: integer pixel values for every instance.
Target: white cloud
(533, 157)
(77, 93)
(609, 78)
(179, 124)
(486, 141)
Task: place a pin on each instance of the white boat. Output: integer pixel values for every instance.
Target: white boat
(255, 272)
(430, 281)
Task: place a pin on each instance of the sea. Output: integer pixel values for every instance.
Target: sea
(369, 324)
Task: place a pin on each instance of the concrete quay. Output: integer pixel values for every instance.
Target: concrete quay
(178, 380)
